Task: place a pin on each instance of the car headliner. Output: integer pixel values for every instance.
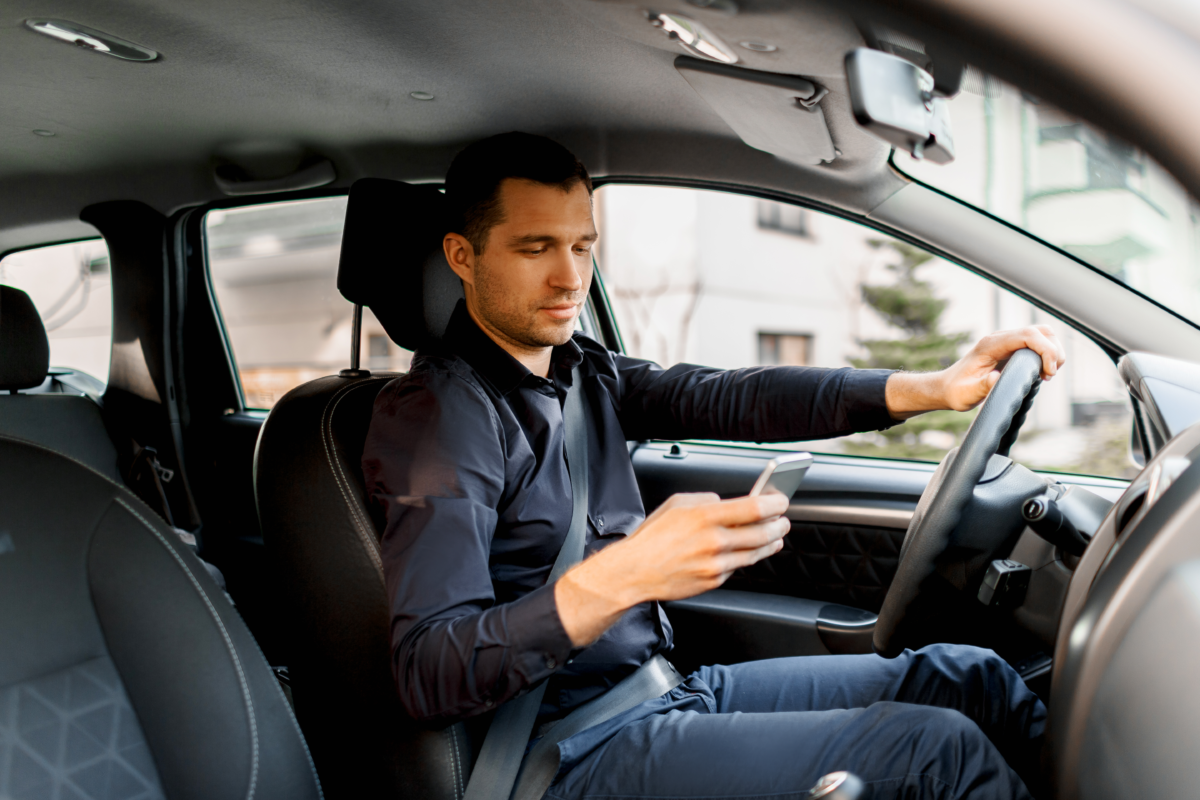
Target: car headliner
(252, 82)
(263, 84)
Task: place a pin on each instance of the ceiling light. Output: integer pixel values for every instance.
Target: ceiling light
(759, 47)
(90, 39)
(695, 37)
(420, 95)
(42, 132)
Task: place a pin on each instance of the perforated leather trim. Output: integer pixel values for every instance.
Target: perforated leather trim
(362, 526)
(237, 662)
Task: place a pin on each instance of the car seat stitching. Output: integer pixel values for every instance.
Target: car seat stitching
(295, 722)
(458, 790)
(88, 467)
(465, 759)
(237, 663)
(354, 509)
(288, 708)
(93, 470)
(365, 524)
(365, 534)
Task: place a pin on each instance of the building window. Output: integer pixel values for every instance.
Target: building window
(785, 349)
(782, 217)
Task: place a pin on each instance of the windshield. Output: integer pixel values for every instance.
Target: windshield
(1071, 185)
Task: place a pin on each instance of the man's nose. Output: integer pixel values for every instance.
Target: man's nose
(565, 274)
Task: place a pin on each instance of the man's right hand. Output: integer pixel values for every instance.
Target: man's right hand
(690, 544)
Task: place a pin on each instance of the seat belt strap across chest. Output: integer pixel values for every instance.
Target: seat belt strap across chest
(499, 761)
(502, 763)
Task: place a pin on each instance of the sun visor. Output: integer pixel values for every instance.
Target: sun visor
(779, 114)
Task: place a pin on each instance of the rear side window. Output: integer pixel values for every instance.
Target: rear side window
(71, 286)
(273, 270)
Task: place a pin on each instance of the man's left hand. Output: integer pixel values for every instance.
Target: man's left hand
(964, 384)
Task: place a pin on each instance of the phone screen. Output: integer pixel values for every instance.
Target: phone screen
(782, 475)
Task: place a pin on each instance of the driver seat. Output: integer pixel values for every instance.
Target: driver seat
(319, 531)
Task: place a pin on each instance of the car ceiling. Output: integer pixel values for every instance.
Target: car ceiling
(267, 84)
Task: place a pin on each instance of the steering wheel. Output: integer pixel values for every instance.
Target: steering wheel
(940, 509)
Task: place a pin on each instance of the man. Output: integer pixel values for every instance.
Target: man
(465, 466)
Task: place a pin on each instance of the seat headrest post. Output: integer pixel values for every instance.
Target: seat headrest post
(355, 346)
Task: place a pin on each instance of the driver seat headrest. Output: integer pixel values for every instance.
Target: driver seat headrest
(24, 346)
(392, 260)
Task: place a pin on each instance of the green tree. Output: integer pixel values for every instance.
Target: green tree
(910, 305)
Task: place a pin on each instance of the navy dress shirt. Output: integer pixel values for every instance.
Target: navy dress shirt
(467, 479)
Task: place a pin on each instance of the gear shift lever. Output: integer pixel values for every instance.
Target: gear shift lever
(837, 786)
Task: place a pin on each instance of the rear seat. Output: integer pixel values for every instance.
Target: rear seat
(64, 420)
(68, 423)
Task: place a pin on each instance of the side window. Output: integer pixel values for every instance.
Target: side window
(731, 281)
(72, 288)
(274, 275)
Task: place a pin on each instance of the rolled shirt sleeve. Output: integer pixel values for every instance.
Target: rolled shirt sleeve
(435, 465)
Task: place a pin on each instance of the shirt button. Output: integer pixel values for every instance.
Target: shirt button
(551, 663)
(600, 522)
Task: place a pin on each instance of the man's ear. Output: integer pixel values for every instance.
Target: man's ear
(460, 255)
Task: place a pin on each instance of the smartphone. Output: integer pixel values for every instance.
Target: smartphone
(782, 475)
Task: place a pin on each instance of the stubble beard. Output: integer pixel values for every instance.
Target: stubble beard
(519, 325)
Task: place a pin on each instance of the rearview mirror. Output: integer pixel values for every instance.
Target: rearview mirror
(893, 99)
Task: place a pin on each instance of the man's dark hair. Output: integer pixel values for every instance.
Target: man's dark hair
(473, 181)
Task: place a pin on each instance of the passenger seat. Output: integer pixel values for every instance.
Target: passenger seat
(124, 672)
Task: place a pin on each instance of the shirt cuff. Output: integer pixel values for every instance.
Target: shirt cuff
(541, 642)
(864, 396)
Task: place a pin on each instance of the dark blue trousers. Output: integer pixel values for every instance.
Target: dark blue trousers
(946, 721)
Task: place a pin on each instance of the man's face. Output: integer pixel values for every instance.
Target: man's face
(533, 276)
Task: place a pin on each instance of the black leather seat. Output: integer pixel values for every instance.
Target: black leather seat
(124, 671)
(68, 423)
(315, 522)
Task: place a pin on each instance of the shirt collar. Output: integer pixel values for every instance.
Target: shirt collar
(465, 339)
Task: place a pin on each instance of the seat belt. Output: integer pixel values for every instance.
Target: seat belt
(653, 679)
(499, 765)
(504, 746)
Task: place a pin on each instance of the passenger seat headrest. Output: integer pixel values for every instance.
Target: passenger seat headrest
(392, 260)
(24, 346)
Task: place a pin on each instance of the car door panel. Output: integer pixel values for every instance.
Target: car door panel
(728, 626)
(848, 517)
(819, 595)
